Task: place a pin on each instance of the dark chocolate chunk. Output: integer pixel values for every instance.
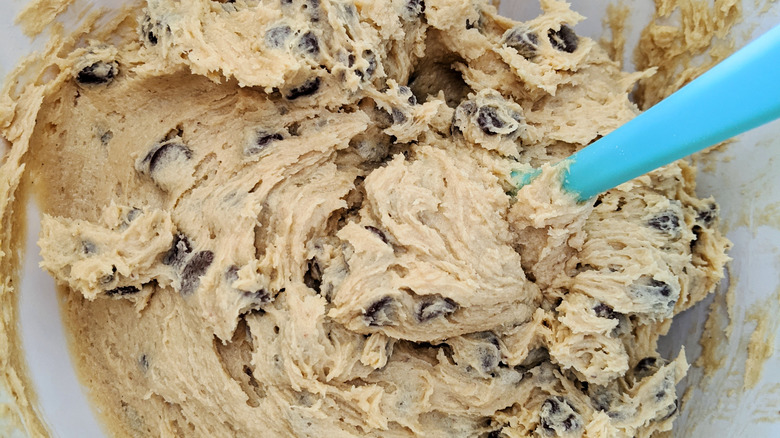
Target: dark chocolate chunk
(646, 367)
(132, 215)
(489, 357)
(149, 30)
(106, 137)
(88, 247)
(378, 232)
(143, 362)
(488, 120)
(194, 269)
(262, 140)
(370, 57)
(564, 39)
(179, 251)
(535, 357)
(669, 411)
(100, 72)
(415, 8)
(231, 274)
(380, 313)
(123, 290)
(313, 276)
(308, 44)
(667, 222)
(168, 153)
(275, 37)
(431, 307)
(707, 216)
(260, 296)
(659, 287)
(655, 292)
(398, 116)
(697, 230)
(645, 364)
(558, 416)
(604, 311)
(406, 91)
(523, 40)
(602, 399)
(308, 88)
(108, 278)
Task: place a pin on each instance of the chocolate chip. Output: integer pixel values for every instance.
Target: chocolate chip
(535, 357)
(646, 367)
(143, 362)
(231, 274)
(558, 416)
(306, 89)
(380, 313)
(370, 57)
(604, 311)
(262, 140)
(98, 73)
(308, 44)
(645, 364)
(275, 37)
(313, 276)
(150, 30)
(523, 40)
(88, 247)
(260, 296)
(488, 120)
(670, 410)
(351, 60)
(696, 230)
(179, 251)
(378, 232)
(123, 290)
(133, 214)
(406, 91)
(659, 287)
(667, 222)
(658, 294)
(108, 278)
(166, 154)
(707, 216)
(398, 116)
(106, 137)
(415, 8)
(431, 307)
(489, 357)
(195, 268)
(563, 39)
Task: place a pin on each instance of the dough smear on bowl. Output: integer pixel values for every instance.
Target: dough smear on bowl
(297, 218)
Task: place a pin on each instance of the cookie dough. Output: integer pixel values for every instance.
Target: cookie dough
(298, 218)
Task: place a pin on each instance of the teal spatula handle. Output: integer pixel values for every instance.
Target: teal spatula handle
(738, 94)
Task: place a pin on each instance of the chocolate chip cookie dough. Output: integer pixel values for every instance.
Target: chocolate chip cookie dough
(298, 218)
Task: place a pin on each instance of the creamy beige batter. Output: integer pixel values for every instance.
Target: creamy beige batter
(297, 218)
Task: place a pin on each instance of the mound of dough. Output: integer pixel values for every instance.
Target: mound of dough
(298, 218)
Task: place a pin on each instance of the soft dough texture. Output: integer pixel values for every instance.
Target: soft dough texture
(298, 218)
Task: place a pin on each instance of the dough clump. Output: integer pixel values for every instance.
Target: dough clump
(299, 218)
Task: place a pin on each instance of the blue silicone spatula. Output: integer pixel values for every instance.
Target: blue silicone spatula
(739, 94)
